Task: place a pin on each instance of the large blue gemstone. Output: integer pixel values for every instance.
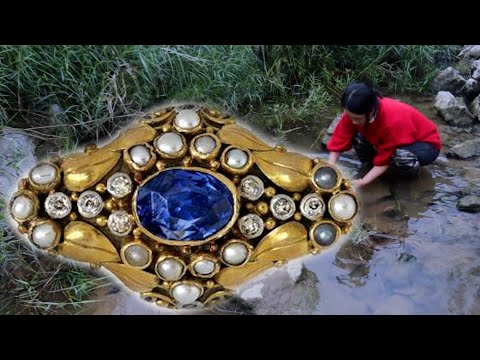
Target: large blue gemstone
(180, 204)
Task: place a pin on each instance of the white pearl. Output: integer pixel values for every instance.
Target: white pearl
(236, 158)
(235, 253)
(43, 174)
(170, 269)
(187, 119)
(170, 143)
(22, 207)
(44, 235)
(140, 155)
(186, 294)
(343, 207)
(205, 144)
(204, 267)
(137, 255)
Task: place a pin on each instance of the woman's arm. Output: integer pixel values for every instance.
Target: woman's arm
(374, 172)
(333, 157)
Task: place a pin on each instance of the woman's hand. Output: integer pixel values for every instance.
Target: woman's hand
(374, 173)
(357, 183)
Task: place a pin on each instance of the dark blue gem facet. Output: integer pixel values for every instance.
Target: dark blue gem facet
(180, 204)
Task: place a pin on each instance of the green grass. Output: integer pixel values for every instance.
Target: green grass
(75, 94)
(359, 235)
(34, 284)
(31, 283)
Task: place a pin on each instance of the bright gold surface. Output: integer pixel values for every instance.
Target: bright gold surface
(238, 136)
(289, 171)
(286, 242)
(83, 242)
(82, 171)
(134, 279)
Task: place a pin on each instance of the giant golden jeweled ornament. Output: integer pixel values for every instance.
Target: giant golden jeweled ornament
(184, 206)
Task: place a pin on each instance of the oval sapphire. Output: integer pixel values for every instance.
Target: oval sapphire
(184, 204)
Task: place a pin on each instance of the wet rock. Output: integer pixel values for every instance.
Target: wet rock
(406, 257)
(475, 107)
(121, 302)
(450, 80)
(465, 150)
(291, 289)
(453, 110)
(472, 89)
(233, 305)
(17, 156)
(347, 170)
(328, 134)
(396, 305)
(476, 70)
(470, 203)
(470, 52)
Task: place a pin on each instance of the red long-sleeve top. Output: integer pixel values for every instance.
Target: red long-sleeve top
(397, 124)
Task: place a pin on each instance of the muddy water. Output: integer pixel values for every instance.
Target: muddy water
(422, 255)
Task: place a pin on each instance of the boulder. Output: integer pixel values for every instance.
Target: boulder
(17, 157)
(453, 110)
(450, 80)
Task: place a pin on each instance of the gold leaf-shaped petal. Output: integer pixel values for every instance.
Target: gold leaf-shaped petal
(287, 242)
(238, 136)
(232, 277)
(216, 117)
(288, 170)
(83, 242)
(134, 279)
(158, 297)
(158, 117)
(139, 134)
(81, 171)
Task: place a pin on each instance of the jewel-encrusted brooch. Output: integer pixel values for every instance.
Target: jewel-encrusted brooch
(184, 206)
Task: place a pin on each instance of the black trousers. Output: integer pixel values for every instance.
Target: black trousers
(405, 161)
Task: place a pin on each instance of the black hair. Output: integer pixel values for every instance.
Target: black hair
(360, 98)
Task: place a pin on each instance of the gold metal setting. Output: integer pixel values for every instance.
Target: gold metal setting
(127, 246)
(206, 157)
(176, 155)
(134, 166)
(56, 228)
(201, 257)
(336, 195)
(240, 171)
(35, 205)
(45, 188)
(236, 241)
(175, 258)
(90, 239)
(322, 165)
(313, 243)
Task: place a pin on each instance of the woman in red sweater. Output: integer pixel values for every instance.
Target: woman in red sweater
(383, 131)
